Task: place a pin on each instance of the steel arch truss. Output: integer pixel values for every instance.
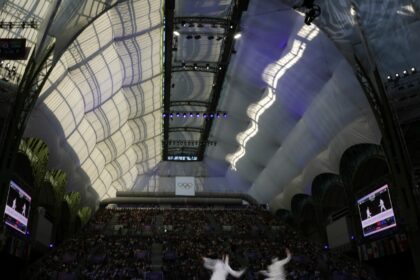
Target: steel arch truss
(220, 33)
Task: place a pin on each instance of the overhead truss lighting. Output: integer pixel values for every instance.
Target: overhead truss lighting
(405, 73)
(195, 114)
(201, 67)
(182, 158)
(189, 143)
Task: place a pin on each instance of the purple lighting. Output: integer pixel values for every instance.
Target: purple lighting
(198, 115)
(164, 115)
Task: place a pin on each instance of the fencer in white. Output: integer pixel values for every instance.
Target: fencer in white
(276, 271)
(368, 213)
(382, 205)
(221, 268)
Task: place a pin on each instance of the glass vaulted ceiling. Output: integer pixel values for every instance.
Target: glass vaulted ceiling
(102, 102)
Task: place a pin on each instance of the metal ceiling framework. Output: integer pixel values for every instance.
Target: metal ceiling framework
(219, 29)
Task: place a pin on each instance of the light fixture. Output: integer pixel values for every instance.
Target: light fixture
(197, 37)
(164, 115)
(413, 70)
(207, 66)
(220, 67)
(195, 66)
(397, 76)
(189, 37)
(198, 115)
(405, 73)
(176, 33)
(237, 35)
(184, 115)
(389, 78)
(177, 114)
(191, 115)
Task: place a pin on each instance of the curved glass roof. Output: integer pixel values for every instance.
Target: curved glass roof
(293, 101)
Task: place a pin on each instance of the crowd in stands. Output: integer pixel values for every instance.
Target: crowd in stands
(117, 244)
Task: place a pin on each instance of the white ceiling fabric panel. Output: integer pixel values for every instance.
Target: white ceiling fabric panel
(116, 144)
(99, 78)
(142, 98)
(112, 192)
(94, 164)
(104, 98)
(137, 17)
(86, 46)
(83, 140)
(66, 102)
(140, 57)
(110, 116)
(126, 180)
(103, 181)
(147, 126)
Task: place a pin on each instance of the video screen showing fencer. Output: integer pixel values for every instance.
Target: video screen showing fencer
(376, 212)
(17, 208)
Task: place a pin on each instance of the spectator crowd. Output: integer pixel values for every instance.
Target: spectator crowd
(118, 244)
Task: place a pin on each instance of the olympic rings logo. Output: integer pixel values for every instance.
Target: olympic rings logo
(184, 185)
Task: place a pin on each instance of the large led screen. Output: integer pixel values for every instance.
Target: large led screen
(17, 208)
(376, 211)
